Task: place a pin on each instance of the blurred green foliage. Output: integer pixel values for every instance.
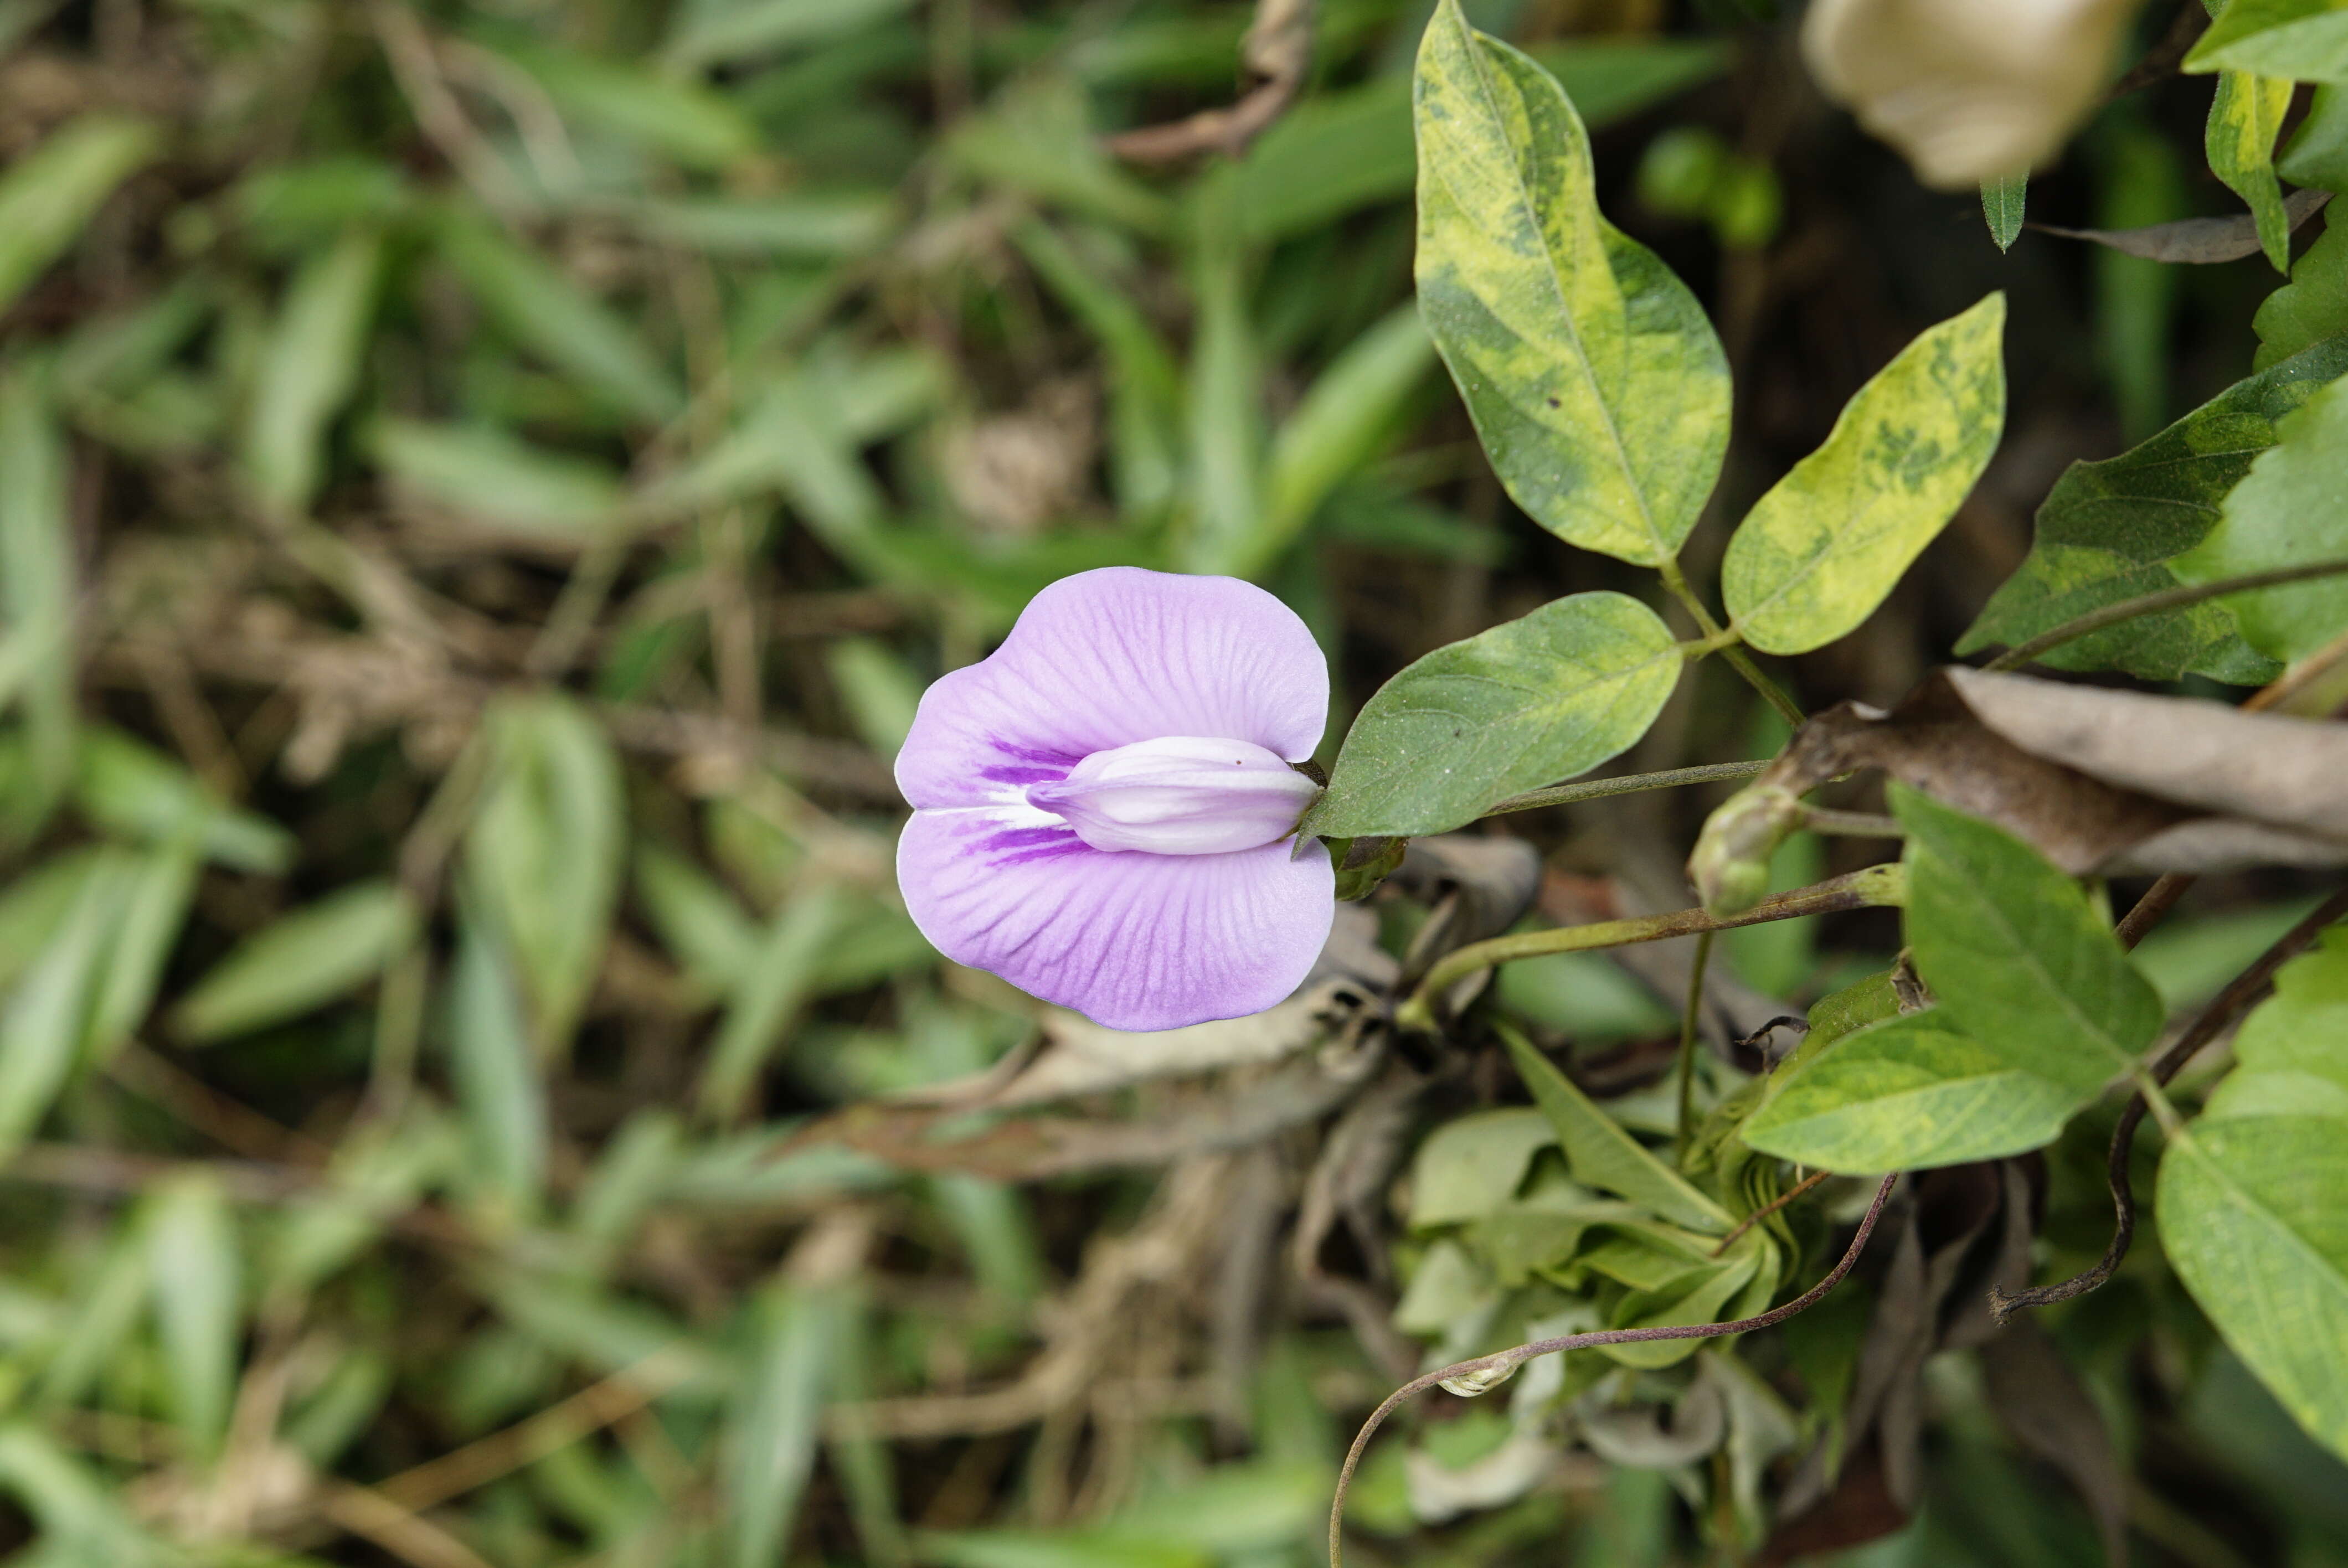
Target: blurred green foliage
(482, 488)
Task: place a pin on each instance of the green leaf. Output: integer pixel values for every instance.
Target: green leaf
(2002, 201)
(1470, 1166)
(49, 194)
(485, 475)
(2250, 1219)
(2244, 118)
(1597, 387)
(43, 1025)
(1908, 1093)
(2249, 1206)
(706, 35)
(2306, 40)
(1344, 418)
(1225, 419)
(778, 1418)
(1830, 541)
(700, 923)
(34, 903)
(2317, 153)
(298, 962)
(545, 852)
(839, 224)
(699, 127)
(767, 995)
(1524, 704)
(1600, 1153)
(2290, 1054)
(2286, 511)
(309, 369)
(2312, 307)
(877, 688)
(2015, 952)
(2109, 530)
(546, 312)
(146, 929)
(37, 593)
(130, 790)
(1036, 138)
(495, 1074)
(192, 1259)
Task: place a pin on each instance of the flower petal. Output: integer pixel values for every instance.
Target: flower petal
(1107, 658)
(1131, 940)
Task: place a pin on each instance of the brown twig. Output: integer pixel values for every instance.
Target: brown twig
(2161, 61)
(1808, 1184)
(591, 1409)
(1490, 1370)
(1623, 784)
(1276, 55)
(1874, 887)
(2246, 988)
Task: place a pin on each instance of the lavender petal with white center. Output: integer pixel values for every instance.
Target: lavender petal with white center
(1107, 658)
(1104, 813)
(1181, 795)
(1132, 940)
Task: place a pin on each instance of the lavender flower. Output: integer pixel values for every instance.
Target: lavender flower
(1103, 811)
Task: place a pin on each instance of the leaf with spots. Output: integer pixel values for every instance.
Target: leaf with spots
(1828, 543)
(1597, 388)
(1526, 704)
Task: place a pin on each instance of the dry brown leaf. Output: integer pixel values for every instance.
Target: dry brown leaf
(2100, 782)
(2195, 239)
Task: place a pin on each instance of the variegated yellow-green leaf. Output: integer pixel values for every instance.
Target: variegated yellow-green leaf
(1911, 1092)
(1526, 704)
(1822, 548)
(1597, 387)
(2243, 119)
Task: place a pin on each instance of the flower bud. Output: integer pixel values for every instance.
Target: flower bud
(1730, 867)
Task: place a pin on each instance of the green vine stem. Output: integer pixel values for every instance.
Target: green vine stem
(1738, 660)
(2153, 603)
(1626, 784)
(1483, 1373)
(1877, 887)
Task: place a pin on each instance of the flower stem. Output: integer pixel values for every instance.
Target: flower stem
(1688, 1016)
(2153, 603)
(1877, 885)
(1676, 581)
(1627, 784)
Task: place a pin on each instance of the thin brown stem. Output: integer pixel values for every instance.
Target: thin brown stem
(1488, 1371)
(2095, 620)
(1806, 1184)
(1876, 886)
(2246, 988)
(1626, 784)
(1689, 1016)
(2149, 911)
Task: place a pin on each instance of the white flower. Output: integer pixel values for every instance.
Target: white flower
(1968, 90)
